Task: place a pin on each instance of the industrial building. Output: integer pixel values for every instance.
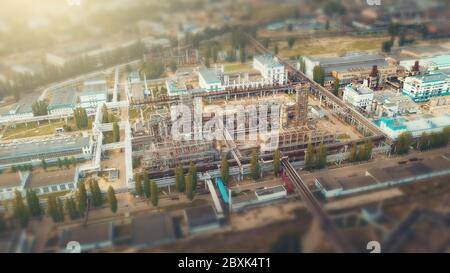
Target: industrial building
(394, 126)
(422, 88)
(353, 66)
(209, 80)
(391, 103)
(94, 92)
(62, 101)
(201, 219)
(379, 178)
(358, 95)
(270, 68)
(33, 151)
(258, 197)
(151, 230)
(91, 238)
(40, 180)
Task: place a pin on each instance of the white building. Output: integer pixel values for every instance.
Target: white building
(209, 80)
(95, 92)
(270, 68)
(422, 88)
(358, 96)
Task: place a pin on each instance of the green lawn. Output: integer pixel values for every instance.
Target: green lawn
(33, 129)
(237, 67)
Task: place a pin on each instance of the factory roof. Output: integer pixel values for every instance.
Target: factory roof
(350, 60)
(15, 150)
(10, 179)
(152, 229)
(432, 77)
(440, 60)
(268, 60)
(271, 190)
(209, 75)
(360, 89)
(201, 216)
(62, 98)
(330, 183)
(90, 234)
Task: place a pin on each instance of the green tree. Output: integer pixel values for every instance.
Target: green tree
(193, 172)
(242, 54)
(66, 162)
(112, 199)
(105, 114)
(276, 162)
(291, 42)
(361, 153)
(173, 66)
(403, 143)
(60, 163)
(386, 46)
(319, 74)
(336, 87)
(96, 193)
(33, 203)
(321, 158)
(21, 211)
(154, 193)
(225, 170)
(44, 164)
(309, 157)
(424, 142)
(82, 197)
(189, 188)
(275, 49)
(116, 132)
(71, 208)
(55, 208)
(353, 153)
(254, 165)
(146, 185)
(39, 108)
(368, 149)
(138, 184)
(179, 179)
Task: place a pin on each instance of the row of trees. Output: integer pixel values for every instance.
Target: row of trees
(433, 140)
(186, 183)
(81, 118)
(146, 188)
(75, 207)
(361, 152)
(315, 158)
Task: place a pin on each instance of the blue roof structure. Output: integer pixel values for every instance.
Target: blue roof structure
(223, 190)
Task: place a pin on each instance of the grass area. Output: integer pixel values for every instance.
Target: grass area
(343, 136)
(337, 45)
(237, 67)
(34, 130)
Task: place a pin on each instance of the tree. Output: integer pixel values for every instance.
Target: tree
(73, 161)
(81, 118)
(71, 208)
(386, 46)
(116, 132)
(173, 66)
(321, 158)
(353, 153)
(254, 165)
(291, 42)
(60, 163)
(309, 157)
(179, 179)
(39, 108)
(82, 198)
(96, 193)
(368, 149)
(275, 49)
(55, 208)
(154, 193)
(137, 184)
(33, 203)
(242, 54)
(276, 162)
(336, 87)
(21, 211)
(44, 164)
(66, 162)
(225, 170)
(193, 172)
(327, 25)
(424, 142)
(105, 114)
(394, 29)
(189, 188)
(112, 199)
(403, 143)
(361, 153)
(146, 183)
(319, 74)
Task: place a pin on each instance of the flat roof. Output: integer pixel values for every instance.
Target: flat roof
(349, 60)
(271, 190)
(18, 149)
(40, 177)
(87, 234)
(360, 89)
(356, 182)
(329, 183)
(62, 97)
(150, 229)
(209, 75)
(200, 216)
(268, 60)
